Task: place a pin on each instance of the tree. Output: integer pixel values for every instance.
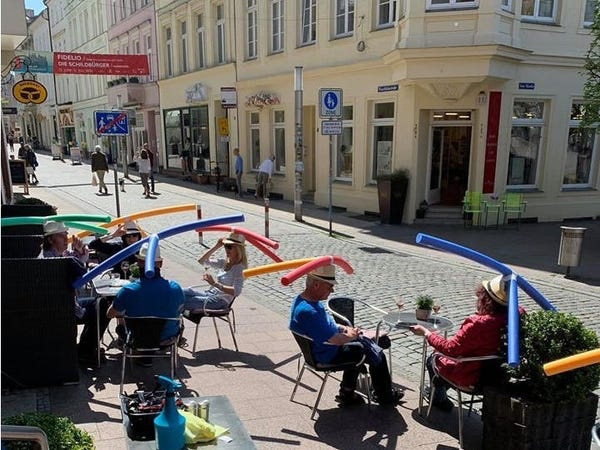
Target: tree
(591, 88)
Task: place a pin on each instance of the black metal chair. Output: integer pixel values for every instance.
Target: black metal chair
(489, 367)
(226, 315)
(322, 370)
(342, 310)
(143, 341)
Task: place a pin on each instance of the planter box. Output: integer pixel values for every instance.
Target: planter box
(514, 423)
(392, 196)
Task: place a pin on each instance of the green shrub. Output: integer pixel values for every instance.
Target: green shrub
(31, 201)
(544, 337)
(61, 432)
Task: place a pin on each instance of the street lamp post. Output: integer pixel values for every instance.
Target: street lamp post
(299, 166)
(57, 129)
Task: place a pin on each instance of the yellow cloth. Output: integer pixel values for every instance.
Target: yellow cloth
(199, 430)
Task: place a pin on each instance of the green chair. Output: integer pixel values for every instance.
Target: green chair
(472, 208)
(513, 203)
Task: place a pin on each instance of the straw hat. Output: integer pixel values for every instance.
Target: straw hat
(52, 227)
(235, 239)
(324, 273)
(495, 287)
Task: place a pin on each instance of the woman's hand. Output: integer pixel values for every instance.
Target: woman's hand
(209, 279)
(219, 242)
(420, 330)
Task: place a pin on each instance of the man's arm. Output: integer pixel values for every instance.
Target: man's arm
(344, 335)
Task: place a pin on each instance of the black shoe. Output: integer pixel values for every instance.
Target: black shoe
(392, 399)
(349, 399)
(445, 404)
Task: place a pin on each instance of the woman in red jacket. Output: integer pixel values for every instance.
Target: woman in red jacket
(479, 335)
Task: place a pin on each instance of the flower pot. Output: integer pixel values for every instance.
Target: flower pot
(422, 314)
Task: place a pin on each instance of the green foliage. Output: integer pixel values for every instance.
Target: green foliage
(31, 201)
(424, 302)
(134, 269)
(61, 432)
(544, 337)
(398, 175)
(591, 89)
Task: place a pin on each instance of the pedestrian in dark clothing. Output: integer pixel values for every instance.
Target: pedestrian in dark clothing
(30, 164)
(100, 167)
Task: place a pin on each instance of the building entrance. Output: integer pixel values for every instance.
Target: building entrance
(449, 167)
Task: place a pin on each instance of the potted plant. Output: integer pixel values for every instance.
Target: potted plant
(424, 306)
(60, 431)
(134, 270)
(391, 190)
(532, 410)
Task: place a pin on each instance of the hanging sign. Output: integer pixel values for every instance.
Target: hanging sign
(29, 91)
(100, 64)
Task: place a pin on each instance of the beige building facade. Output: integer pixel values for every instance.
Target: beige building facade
(467, 95)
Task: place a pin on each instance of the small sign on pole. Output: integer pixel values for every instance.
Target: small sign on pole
(228, 97)
(331, 127)
(330, 104)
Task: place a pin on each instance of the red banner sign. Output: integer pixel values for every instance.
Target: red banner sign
(491, 142)
(100, 64)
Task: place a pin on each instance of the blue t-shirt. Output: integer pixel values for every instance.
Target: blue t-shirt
(152, 297)
(312, 320)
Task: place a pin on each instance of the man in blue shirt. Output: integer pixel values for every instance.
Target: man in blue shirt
(156, 297)
(334, 343)
(239, 170)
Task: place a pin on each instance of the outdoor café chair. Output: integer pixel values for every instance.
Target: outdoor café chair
(323, 370)
(512, 203)
(489, 367)
(225, 314)
(472, 208)
(143, 341)
(342, 310)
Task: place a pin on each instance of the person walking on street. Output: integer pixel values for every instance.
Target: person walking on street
(30, 164)
(100, 167)
(144, 169)
(151, 157)
(265, 172)
(239, 170)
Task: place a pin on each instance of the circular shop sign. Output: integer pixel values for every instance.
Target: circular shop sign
(30, 91)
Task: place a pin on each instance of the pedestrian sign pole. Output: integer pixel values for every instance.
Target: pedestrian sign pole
(330, 107)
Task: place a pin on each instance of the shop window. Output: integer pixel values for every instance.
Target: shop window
(344, 146)
(382, 132)
(279, 140)
(254, 144)
(525, 143)
(581, 154)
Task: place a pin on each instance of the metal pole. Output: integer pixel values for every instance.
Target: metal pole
(266, 217)
(299, 166)
(330, 183)
(57, 133)
(199, 217)
(117, 190)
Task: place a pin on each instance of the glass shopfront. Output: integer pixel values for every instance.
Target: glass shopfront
(187, 139)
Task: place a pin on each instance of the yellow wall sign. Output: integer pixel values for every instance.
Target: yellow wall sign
(30, 91)
(223, 126)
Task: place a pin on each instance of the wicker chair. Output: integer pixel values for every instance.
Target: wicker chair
(39, 330)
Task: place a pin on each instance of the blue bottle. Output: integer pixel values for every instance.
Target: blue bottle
(169, 425)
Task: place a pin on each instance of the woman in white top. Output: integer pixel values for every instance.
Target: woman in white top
(229, 280)
(144, 168)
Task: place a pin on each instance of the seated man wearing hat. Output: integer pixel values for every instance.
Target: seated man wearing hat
(229, 278)
(56, 245)
(479, 335)
(129, 234)
(156, 297)
(334, 343)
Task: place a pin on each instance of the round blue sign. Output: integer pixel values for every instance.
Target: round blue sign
(330, 100)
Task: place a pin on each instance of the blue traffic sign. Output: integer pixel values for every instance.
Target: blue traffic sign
(111, 123)
(330, 105)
